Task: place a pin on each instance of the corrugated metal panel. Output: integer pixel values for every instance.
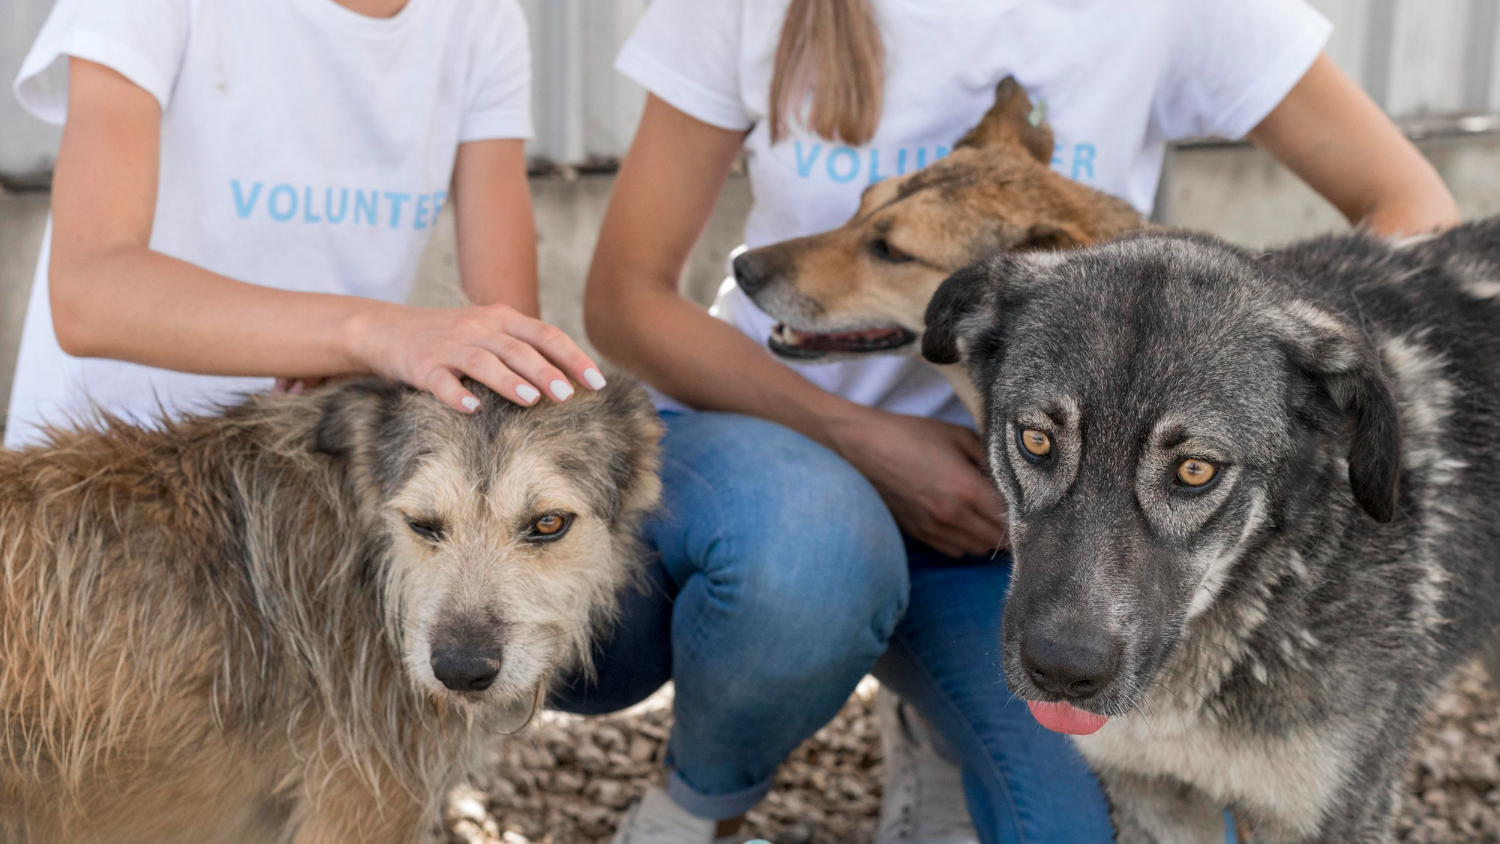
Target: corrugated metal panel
(1420, 57)
(1415, 57)
(584, 110)
(1427, 73)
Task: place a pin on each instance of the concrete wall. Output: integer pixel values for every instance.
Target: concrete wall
(1241, 194)
(1415, 57)
(1232, 190)
(22, 218)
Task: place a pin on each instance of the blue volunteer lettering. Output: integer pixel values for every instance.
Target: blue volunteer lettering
(363, 206)
(396, 200)
(291, 194)
(843, 164)
(1083, 161)
(284, 202)
(244, 206)
(307, 214)
(328, 205)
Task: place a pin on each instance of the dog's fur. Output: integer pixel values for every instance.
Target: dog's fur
(1269, 641)
(227, 629)
(863, 288)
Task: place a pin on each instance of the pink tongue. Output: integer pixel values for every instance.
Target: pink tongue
(1063, 718)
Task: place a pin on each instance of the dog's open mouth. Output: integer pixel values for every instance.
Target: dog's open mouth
(1065, 718)
(788, 342)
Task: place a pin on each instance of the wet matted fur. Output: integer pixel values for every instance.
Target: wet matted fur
(1265, 640)
(233, 629)
(863, 288)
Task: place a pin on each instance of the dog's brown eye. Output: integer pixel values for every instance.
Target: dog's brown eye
(549, 527)
(429, 529)
(882, 249)
(1035, 444)
(1195, 472)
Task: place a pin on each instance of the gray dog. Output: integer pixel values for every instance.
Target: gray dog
(1255, 508)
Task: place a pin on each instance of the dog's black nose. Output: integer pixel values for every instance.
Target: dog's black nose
(751, 273)
(1074, 666)
(466, 669)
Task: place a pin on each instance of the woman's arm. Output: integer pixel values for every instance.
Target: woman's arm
(1332, 135)
(662, 198)
(926, 470)
(496, 229)
(114, 297)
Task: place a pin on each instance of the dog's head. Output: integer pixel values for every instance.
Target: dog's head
(507, 534)
(1155, 407)
(862, 288)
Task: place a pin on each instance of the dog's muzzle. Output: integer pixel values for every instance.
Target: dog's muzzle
(467, 669)
(1073, 666)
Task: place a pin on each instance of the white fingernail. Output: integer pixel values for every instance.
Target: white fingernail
(528, 393)
(470, 403)
(561, 390)
(594, 379)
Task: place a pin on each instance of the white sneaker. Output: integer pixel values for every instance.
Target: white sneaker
(657, 819)
(924, 793)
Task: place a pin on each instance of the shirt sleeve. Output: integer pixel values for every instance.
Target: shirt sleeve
(499, 96)
(687, 52)
(143, 40)
(1233, 62)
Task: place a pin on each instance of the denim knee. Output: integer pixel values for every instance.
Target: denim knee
(804, 555)
(630, 661)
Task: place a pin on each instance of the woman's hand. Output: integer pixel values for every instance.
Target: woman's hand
(515, 355)
(931, 475)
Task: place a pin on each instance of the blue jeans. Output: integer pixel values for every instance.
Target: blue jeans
(780, 580)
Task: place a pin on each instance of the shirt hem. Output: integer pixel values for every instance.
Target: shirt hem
(681, 92)
(115, 55)
(1272, 87)
(497, 126)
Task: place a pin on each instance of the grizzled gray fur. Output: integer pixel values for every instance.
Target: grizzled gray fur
(1267, 639)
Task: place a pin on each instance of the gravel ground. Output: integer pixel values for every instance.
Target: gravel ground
(567, 780)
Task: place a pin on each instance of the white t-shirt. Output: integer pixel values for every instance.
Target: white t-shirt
(1120, 78)
(303, 146)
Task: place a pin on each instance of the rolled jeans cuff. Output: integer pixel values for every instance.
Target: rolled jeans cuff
(715, 807)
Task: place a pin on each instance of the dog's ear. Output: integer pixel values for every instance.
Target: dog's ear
(1012, 120)
(1337, 356)
(637, 428)
(1053, 237)
(351, 423)
(959, 296)
(346, 422)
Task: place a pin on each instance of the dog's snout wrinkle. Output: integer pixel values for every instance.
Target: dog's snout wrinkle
(1073, 665)
(467, 669)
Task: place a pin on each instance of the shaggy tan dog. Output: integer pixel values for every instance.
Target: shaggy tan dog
(298, 620)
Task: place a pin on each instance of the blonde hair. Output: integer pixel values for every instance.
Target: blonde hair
(831, 52)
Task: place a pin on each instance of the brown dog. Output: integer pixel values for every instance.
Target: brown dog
(300, 620)
(863, 288)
